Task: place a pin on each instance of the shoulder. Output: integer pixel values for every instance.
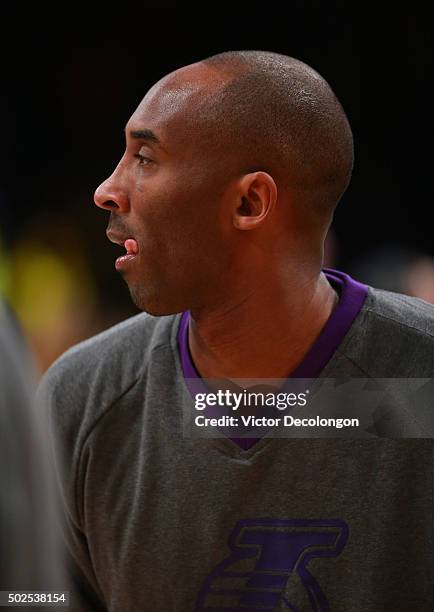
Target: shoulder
(393, 336)
(396, 311)
(119, 353)
(93, 375)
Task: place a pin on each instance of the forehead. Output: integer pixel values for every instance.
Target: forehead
(173, 102)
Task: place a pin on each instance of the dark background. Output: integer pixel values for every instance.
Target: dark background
(72, 80)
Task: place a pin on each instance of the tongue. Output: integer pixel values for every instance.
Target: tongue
(131, 246)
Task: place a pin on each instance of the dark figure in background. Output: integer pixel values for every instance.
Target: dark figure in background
(30, 554)
(222, 200)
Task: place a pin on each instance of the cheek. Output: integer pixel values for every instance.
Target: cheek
(187, 216)
(180, 217)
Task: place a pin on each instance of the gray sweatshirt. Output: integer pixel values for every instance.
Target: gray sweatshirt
(158, 522)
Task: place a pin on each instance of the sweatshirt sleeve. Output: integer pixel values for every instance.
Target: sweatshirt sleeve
(60, 408)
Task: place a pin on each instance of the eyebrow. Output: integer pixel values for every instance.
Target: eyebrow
(145, 134)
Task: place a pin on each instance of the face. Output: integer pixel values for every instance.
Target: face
(166, 201)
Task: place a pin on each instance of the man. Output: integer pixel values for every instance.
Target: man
(222, 200)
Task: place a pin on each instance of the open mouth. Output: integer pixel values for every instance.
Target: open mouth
(132, 249)
(131, 246)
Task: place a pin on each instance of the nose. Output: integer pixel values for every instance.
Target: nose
(110, 195)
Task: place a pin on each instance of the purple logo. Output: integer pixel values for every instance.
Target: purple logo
(267, 566)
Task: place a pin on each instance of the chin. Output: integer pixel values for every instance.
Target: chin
(153, 305)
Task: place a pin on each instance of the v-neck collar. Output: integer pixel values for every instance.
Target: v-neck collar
(352, 297)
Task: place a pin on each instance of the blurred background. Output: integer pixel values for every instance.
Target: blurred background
(71, 81)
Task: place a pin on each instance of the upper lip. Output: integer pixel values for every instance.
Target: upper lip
(113, 237)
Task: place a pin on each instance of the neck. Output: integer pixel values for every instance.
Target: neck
(265, 332)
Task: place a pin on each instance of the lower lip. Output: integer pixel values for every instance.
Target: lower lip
(123, 261)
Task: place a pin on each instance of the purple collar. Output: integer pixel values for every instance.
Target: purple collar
(352, 298)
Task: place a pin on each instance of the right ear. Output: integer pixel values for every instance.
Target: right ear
(257, 196)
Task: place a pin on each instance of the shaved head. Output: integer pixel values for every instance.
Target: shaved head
(264, 111)
(241, 158)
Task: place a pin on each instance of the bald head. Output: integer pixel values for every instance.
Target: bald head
(240, 157)
(259, 110)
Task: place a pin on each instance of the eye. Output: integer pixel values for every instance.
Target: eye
(143, 161)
